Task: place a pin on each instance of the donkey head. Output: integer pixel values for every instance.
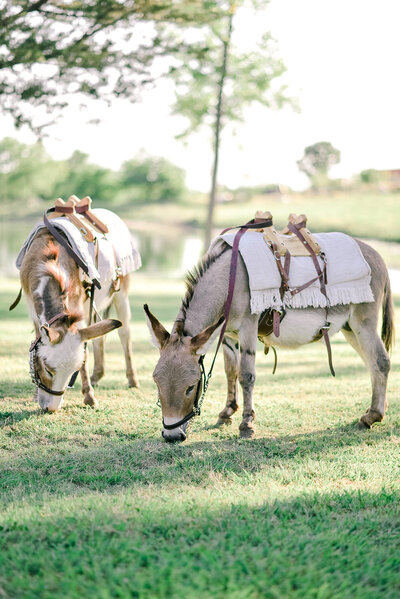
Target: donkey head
(178, 373)
(59, 353)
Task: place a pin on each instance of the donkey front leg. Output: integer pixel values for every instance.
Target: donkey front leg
(98, 352)
(121, 302)
(247, 374)
(87, 389)
(231, 364)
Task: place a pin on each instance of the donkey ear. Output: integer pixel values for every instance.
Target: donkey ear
(159, 335)
(99, 329)
(201, 343)
(53, 334)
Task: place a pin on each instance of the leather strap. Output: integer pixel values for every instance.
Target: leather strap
(255, 223)
(323, 281)
(48, 324)
(84, 211)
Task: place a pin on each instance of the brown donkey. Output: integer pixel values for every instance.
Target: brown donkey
(58, 304)
(179, 368)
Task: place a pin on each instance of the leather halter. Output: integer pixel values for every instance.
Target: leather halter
(32, 359)
(198, 400)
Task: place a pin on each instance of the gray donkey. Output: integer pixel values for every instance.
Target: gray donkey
(178, 373)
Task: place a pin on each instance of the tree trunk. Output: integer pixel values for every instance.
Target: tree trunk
(217, 132)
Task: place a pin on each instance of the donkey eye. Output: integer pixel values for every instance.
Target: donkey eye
(189, 389)
(48, 372)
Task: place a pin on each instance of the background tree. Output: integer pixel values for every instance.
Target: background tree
(27, 173)
(150, 179)
(219, 80)
(316, 162)
(81, 177)
(97, 48)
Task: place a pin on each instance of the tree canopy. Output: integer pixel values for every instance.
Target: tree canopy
(317, 160)
(50, 49)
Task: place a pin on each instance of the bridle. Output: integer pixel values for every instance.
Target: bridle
(33, 349)
(198, 400)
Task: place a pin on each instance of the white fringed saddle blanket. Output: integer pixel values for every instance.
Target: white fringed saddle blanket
(348, 274)
(116, 248)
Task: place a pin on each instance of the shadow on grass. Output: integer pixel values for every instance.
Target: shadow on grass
(316, 546)
(125, 460)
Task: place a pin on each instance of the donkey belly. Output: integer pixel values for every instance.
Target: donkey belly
(301, 326)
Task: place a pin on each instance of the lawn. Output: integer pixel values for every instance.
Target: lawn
(95, 504)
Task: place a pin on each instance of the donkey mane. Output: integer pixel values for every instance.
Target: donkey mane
(193, 276)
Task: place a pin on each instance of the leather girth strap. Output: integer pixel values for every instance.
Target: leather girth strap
(322, 280)
(255, 223)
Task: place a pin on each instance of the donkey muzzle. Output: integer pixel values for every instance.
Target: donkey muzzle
(175, 435)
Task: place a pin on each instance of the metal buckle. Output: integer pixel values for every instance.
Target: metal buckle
(326, 326)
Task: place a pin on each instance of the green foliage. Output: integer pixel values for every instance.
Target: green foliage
(149, 179)
(83, 178)
(369, 176)
(99, 49)
(28, 173)
(317, 160)
(247, 78)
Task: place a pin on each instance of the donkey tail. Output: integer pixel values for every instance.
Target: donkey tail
(387, 331)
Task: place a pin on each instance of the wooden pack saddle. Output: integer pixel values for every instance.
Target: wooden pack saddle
(286, 240)
(79, 213)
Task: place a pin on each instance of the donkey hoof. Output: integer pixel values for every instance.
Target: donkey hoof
(223, 421)
(370, 417)
(247, 432)
(362, 426)
(133, 384)
(91, 402)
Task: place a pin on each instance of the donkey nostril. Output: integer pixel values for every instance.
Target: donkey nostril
(183, 436)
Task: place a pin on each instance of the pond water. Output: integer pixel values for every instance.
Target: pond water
(167, 254)
(172, 254)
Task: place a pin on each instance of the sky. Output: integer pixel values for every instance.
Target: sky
(342, 59)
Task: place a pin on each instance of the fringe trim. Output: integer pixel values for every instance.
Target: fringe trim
(267, 298)
(310, 298)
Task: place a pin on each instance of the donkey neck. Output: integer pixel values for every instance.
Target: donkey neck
(52, 285)
(47, 298)
(205, 300)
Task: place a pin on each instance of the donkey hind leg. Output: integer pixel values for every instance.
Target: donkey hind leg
(87, 389)
(247, 373)
(231, 363)
(366, 341)
(98, 354)
(121, 302)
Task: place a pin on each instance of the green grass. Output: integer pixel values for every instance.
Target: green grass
(94, 503)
